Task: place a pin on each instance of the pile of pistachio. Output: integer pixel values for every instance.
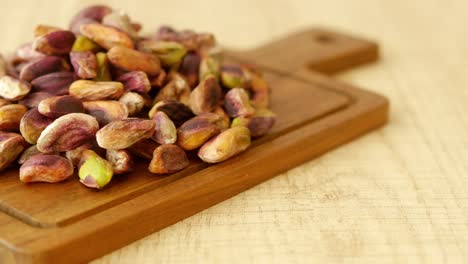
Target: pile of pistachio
(98, 96)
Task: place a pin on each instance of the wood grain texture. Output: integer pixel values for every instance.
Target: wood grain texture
(394, 196)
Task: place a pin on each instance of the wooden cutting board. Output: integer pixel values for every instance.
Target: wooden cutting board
(66, 222)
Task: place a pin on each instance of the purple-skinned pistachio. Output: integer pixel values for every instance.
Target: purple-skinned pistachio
(42, 66)
(67, 132)
(237, 103)
(11, 146)
(84, 63)
(56, 83)
(165, 131)
(124, 133)
(106, 36)
(10, 116)
(175, 110)
(57, 106)
(45, 168)
(206, 96)
(32, 124)
(55, 43)
(121, 161)
(91, 14)
(106, 111)
(168, 159)
(195, 132)
(225, 145)
(135, 81)
(33, 99)
(190, 67)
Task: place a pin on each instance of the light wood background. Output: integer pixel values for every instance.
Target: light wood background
(397, 195)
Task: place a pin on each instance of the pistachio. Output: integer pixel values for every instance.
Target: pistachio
(58, 106)
(84, 63)
(67, 132)
(176, 111)
(103, 69)
(10, 116)
(226, 145)
(206, 96)
(120, 21)
(32, 124)
(13, 89)
(209, 66)
(33, 99)
(188, 38)
(121, 161)
(190, 68)
(84, 21)
(106, 36)
(169, 53)
(106, 111)
(74, 155)
(232, 76)
(165, 131)
(26, 52)
(220, 119)
(93, 14)
(92, 90)
(11, 146)
(28, 153)
(83, 43)
(55, 43)
(136, 81)
(132, 60)
(42, 66)
(225, 121)
(260, 90)
(143, 148)
(168, 159)
(4, 102)
(160, 79)
(133, 101)
(41, 30)
(259, 124)
(237, 103)
(124, 133)
(195, 132)
(94, 172)
(177, 89)
(56, 83)
(45, 168)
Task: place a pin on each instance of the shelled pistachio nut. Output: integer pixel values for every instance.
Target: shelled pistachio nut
(106, 111)
(94, 171)
(13, 89)
(177, 89)
(121, 160)
(237, 103)
(92, 91)
(11, 146)
(56, 83)
(165, 131)
(175, 110)
(169, 53)
(168, 159)
(136, 81)
(84, 63)
(10, 116)
(55, 43)
(124, 133)
(106, 36)
(259, 124)
(32, 124)
(133, 60)
(67, 132)
(134, 103)
(45, 168)
(195, 132)
(226, 145)
(42, 66)
(206, 96)
(27, 153)
(58, 106)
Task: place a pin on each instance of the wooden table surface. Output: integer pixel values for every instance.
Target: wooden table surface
(396, 195)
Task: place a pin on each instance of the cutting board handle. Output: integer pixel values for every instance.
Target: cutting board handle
(316, 49)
